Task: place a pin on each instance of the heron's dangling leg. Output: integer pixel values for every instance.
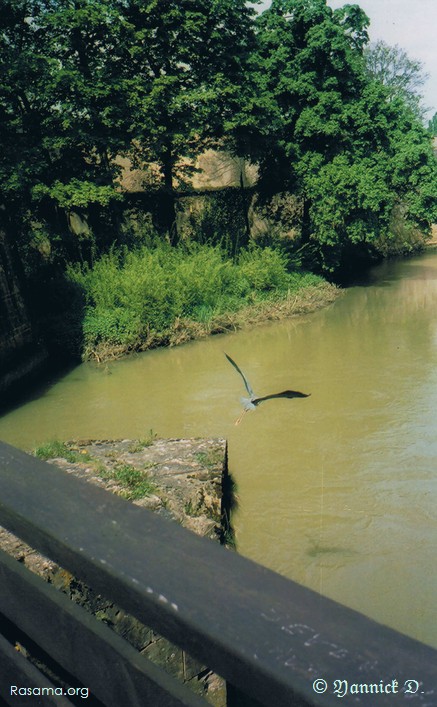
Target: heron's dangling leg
(237, 422)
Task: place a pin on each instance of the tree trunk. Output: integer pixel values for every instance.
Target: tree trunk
(167, 215)
(245, 209)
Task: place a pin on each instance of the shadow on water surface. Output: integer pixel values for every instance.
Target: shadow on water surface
(36, 388)
(391, 270)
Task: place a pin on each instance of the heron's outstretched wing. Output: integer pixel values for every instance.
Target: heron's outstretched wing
(246, 382)
(284, 394)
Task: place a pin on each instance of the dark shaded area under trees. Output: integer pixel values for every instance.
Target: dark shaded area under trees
(296, 90)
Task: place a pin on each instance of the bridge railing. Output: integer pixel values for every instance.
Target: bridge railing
(275, 642)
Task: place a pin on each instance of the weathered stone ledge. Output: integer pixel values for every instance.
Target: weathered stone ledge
(186, 474)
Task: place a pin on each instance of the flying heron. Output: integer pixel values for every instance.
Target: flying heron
(251, 402)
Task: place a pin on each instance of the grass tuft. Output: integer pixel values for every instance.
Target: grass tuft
(59, 450)
(134, 483)
(140, 444)
(211, 458)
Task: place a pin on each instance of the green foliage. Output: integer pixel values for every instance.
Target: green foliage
(401, 75)
(119, 326)
(342, 137)
(63, 99)
(222, 221)
(134, 483)
(86, 82)
(77, 193)
(401, 238)
(432, 125)
(295, 89)
(212, 458)
(56, 449)
(143, 443)
(186, 75)
(350, 203)
(132, 295)
(264, 269)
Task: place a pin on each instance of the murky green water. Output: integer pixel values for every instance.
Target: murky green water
(336, 491)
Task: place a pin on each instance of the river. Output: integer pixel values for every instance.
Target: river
(336, 491)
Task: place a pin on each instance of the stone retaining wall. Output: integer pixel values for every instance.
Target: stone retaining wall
(20, 356)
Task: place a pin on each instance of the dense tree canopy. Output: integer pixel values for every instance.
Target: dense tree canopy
(186, 76)
(87, 80)
(295, 89)
(339, 138)
(63, 104)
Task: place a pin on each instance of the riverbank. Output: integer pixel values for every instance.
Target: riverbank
(305, 300)
(433, 240)
(158, 295)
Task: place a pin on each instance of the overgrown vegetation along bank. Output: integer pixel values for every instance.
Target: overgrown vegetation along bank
(296, 90)
(160, 295)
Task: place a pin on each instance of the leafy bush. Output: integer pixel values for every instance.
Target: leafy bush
(265, 269)
(131, 296)
(118, 325)
(221, 222)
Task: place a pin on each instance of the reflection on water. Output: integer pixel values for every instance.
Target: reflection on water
(336, 491)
